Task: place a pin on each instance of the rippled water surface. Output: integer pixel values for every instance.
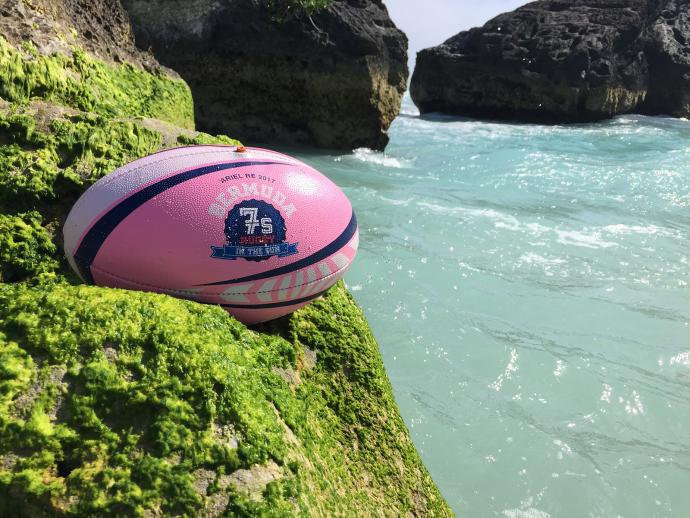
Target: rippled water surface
(529, 289)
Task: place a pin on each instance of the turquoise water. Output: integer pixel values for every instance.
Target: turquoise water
(529, 289)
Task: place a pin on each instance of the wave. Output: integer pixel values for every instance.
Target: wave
(583, 239)
(587, 238)
(364, 154)
(636, 229)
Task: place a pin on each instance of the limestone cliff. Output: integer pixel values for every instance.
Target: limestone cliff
(120, 403)
(333, 79)
(563, 61)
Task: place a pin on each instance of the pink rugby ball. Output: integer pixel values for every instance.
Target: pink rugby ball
(257, 232)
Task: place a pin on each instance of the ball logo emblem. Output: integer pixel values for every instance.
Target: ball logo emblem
(255, 230)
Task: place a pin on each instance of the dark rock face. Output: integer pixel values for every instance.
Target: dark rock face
(563, 61)
(667, 47)
(333, 80)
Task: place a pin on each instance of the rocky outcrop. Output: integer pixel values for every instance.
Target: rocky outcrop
(563, 61)
(667, 49)
(334, 79)
(122, 403)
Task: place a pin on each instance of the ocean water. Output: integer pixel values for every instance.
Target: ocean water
(528, 286)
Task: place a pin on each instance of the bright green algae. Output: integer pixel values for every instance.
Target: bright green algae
(45, 167)
(144, 382)
(86, 84)
(121, 403)
(50, 151)
(26, 249)
(113, 402)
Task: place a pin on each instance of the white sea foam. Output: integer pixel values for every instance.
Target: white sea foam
(499, 219)
(624, 120)
(364, 154)
(586, 238)
(583, 239)
(532, 259)
(530, 512)
(392, 201)
(409, 110)
(635, 229)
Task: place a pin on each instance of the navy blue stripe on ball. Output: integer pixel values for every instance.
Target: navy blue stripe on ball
(99, 232)
(331, 248)
(275, 304)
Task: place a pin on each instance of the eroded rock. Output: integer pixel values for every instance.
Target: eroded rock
(334, 79)
(667, 48)
(563, 61)
(254, 480)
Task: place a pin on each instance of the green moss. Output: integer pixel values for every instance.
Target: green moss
(205, 138)
(126, 403)
(41, 167)
(72, 120)
(86, 84)
(147, 378)
(44, 171)
(128, 393)
(47, 169)
(360, 439)
(26, 248)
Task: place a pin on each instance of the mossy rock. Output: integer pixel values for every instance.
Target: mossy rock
(26, 249)
(81, 82)
(121, 403)
(51, 149)
(116, 402)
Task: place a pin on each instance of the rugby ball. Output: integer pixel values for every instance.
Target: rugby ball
(257, 232)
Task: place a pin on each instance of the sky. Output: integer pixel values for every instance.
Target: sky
(431, 22)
